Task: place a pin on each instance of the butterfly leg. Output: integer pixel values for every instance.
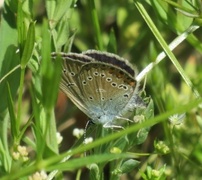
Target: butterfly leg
(123, 118)
(112, 126)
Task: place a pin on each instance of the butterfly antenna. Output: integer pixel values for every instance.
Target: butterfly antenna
(88, 124)
(85, 130)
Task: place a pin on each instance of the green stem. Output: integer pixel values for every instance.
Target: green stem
(9, 73)
(78, 174)
(22, 76)
(162, 55)
(165, 47)
(96, 25)
(46, 164)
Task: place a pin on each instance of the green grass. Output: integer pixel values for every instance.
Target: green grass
(166, 142)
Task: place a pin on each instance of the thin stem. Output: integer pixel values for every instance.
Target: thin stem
(96, 25)
(10, 72)
(78, 174)
(165, 47)
(44, 164)
(162, 55)
(22, 76)
(53, 173)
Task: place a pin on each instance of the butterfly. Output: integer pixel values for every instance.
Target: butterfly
(101, 84)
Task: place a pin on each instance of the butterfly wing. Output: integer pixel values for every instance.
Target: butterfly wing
(71, 66)
(100, 84)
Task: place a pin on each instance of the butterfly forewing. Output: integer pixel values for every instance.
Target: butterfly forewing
(71, 66)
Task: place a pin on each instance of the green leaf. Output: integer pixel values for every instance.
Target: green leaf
(46, 68)
(129, 165)
(12, 4)
(44, 129)
(50, 135)
(50, 8)
(13, 120)
(5, 156)
(29, 45)
(36, 127)
(10, 61)
(112, 43)
(50, 84)
(8, 33)
(50, 74)
(94, 172)
(57, 10)
(21, 26)
(62, 35)
(85, 161)
(165, 47)
(62, 7)
(96, 25)
(142, 115)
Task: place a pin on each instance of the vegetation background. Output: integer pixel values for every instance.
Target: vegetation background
(165, 144)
